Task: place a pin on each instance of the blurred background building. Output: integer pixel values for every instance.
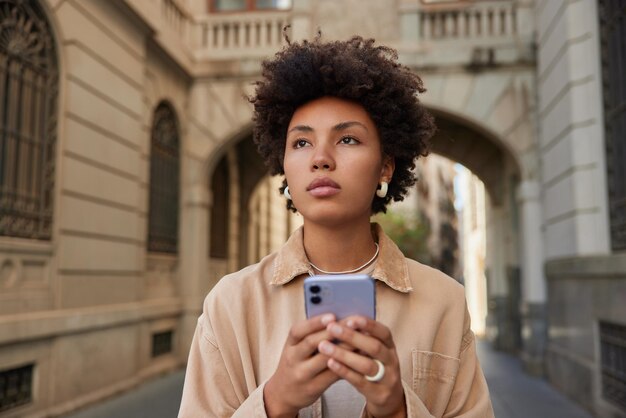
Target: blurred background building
(129, 183)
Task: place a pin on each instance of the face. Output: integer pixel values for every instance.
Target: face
(333, 161)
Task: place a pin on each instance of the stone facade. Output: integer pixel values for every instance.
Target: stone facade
(514, 84)
(585, 279)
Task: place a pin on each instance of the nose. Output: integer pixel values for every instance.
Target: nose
(322, 160)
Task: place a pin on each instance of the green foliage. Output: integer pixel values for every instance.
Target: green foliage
(409, 232)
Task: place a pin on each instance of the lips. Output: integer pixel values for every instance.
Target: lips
(323, 187)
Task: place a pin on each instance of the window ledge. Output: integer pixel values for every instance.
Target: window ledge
(13, 245)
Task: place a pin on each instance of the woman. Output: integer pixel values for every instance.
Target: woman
(342, 122)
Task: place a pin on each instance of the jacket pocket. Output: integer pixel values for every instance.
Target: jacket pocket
(434, 375)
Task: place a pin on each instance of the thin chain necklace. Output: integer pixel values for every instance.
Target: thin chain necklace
(370, 261)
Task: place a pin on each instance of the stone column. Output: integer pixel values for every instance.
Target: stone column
(533, 309)
(194, 280)
(497, 287)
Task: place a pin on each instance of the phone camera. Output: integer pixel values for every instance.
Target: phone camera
(315, 289)
(316, 299)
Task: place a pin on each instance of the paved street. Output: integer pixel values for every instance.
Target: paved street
(513, 393)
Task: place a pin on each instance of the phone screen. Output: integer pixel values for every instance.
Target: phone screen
(341, 295)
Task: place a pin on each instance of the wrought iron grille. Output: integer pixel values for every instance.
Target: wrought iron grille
(613, 357)
(16, 387)
(162, 343)
(164, 182)
(613, 41)
(28, 120)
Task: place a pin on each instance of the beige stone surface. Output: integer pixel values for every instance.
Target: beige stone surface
(100, 113)
(456, 91)
(82, 253)
(97, 289)
(368, 18)
(81, 139)
(98, 183)
(104, 79)
(118, 25)
(93, 360)
(81, 28)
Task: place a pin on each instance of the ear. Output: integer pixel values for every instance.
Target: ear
(389, 165)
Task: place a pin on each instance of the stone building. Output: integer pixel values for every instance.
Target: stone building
(129, 182)
(430, 205)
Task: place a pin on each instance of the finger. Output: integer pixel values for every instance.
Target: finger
(371, 327)
(300, 330)
(323, 380)
(308, 345)
(354, 378)
(357, 362)
(313, 366)
(370, 345)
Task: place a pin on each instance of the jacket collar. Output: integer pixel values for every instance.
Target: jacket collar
(391, 266)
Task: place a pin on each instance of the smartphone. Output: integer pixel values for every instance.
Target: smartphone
(342, 295)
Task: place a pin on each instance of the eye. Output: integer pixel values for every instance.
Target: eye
(348, 140)
(300, 143)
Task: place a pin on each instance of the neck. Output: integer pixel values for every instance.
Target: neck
(339, 248)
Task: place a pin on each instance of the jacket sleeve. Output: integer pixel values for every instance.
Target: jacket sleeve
(209, 390)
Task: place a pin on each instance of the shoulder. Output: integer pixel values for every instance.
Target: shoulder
(243, 286)
(427, 280)
(424, 275)
(257, 274)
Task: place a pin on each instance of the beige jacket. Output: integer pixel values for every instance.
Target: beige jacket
(248, 314)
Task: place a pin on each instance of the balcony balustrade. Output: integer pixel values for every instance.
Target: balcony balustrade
(489, 19)
(477, 34)
(240, 35)
(473, 34)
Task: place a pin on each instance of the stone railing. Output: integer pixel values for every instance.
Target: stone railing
(477, 34)
(481, 20)
(193, 39)
(474, 34)
(238, 35)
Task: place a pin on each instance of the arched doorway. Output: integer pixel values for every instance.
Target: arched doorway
(237, 169)
(489, 159)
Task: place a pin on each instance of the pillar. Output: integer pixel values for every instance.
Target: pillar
(533, 306)
(194, 283)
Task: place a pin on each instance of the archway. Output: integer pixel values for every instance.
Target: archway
(491, 161)
(236, 171)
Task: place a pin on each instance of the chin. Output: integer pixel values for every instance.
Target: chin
(332, 215)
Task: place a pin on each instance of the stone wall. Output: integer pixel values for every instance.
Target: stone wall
(83, 308)
(572, 129)
(583, 291)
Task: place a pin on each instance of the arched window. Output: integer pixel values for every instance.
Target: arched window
(164, 181)
(28, 120)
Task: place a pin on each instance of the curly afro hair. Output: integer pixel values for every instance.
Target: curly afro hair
(354, 70)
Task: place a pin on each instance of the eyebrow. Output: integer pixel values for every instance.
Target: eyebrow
(338, 127)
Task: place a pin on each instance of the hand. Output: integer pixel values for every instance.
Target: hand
(373, 340)
(302, 374)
